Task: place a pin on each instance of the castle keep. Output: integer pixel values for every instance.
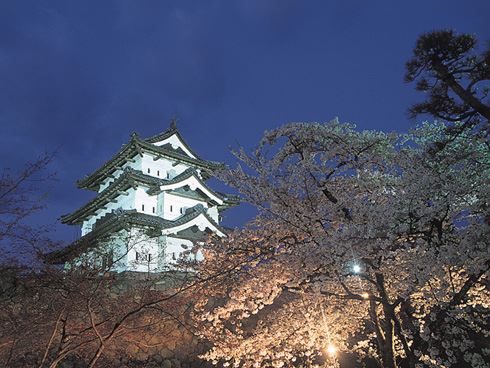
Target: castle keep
(152, 205)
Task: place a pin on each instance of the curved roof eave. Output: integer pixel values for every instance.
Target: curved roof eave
(210, 224)
(134, 147)
(190, 177)
(168, 134)
(125, 181)
(118, 221)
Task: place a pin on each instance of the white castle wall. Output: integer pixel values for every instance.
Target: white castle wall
(174, 206)
(131, 250)
(134, 163)
(144, 202)
(174, 247)
(144, 253)
(126, 202)
(161, 168)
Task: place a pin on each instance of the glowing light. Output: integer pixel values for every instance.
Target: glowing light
(331, 349)
(365, 295)
(356, 268)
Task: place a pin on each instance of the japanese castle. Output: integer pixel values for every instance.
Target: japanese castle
(152, 205)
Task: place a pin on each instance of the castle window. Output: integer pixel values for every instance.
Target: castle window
(143, 207)
(158, 172)
(168, 175)
(141, 257)
(153, 209)
(182, 210)
(171, 208)
(173, 256)
(149, 170)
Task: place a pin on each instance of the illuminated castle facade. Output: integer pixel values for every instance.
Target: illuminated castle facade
(152, 205)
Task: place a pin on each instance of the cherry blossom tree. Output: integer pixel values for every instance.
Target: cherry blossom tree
(365, 246)
(49, 314)
(21, 198)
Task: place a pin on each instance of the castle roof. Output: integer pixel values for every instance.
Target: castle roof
(136, 146)
(130, 178)
(123, 219)
(191, 178)
(169, 133)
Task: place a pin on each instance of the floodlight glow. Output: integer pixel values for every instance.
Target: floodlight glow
(356, 268)
(331, 349)
(365, 295)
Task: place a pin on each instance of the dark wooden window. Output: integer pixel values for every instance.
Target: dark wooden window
(141, 257)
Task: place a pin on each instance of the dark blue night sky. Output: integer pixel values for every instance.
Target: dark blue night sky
(78, 77)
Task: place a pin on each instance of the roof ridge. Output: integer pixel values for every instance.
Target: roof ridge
(186, 174)
(168, 133)
(132, 148)
(162, 135)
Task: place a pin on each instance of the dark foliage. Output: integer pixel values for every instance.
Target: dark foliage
(456, 79)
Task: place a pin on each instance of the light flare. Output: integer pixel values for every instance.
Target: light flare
(331, 349)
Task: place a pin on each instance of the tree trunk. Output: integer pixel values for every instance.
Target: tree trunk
(408, 349)
(388, 326)
(465, 95)
(389, 332)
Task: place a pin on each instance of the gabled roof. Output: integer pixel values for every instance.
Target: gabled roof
(189, 178)
(191, 218)
(168, 134)
(229, 200)
(137, 146)
(129, 178)
(121, 219)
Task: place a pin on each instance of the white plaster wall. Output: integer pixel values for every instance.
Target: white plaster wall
(161, 167)
(177, 202)
(176, 143)
(140, 242)
(174, 248)
(143, 198)
(135, 163)
(119, 244)
(213, 213)
(125, 202)
(116, 244)
(160, 204)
